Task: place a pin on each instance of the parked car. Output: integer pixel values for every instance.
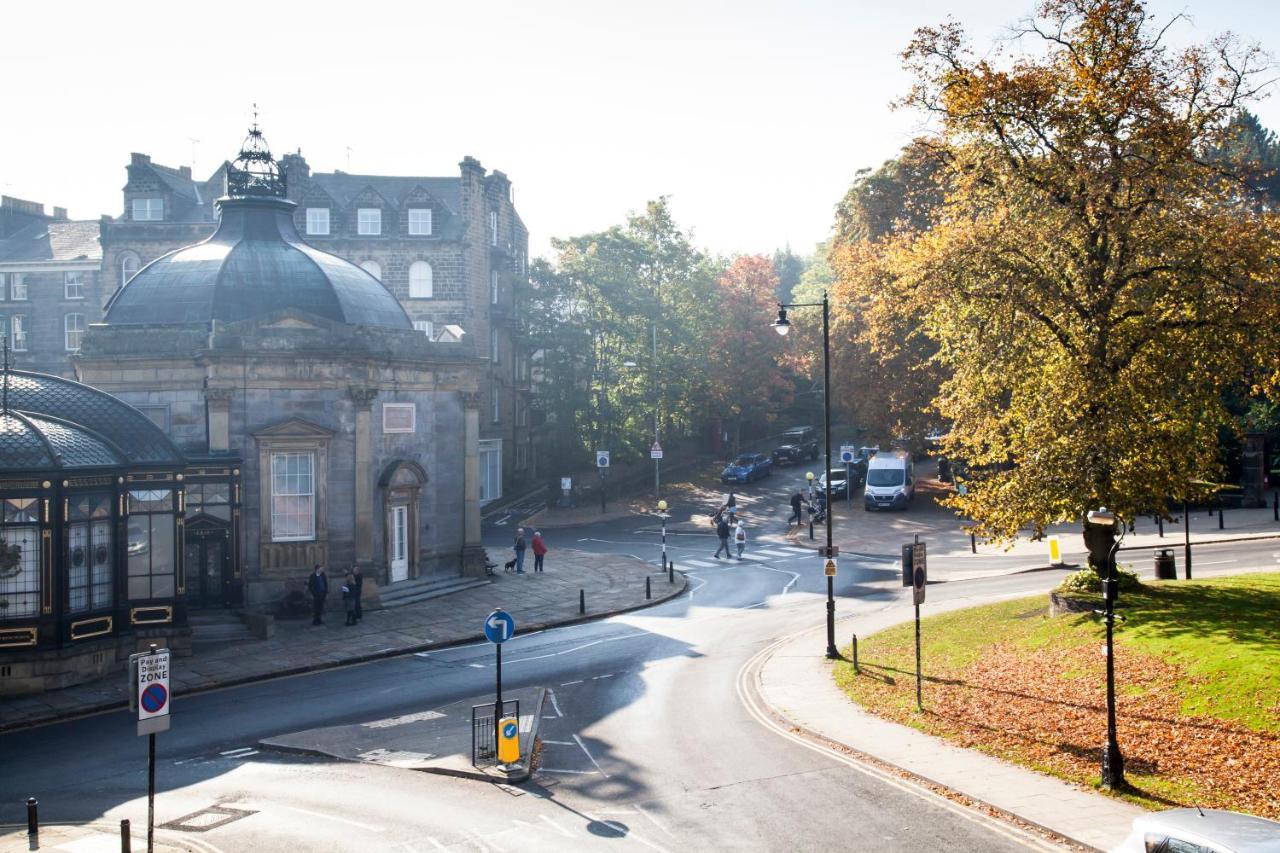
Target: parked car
(797, 444)
(890, 481)
(839, 485)
(747, 467)
(1207, 830)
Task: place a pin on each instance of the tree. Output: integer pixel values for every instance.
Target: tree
(747, 383)
(1093, 279)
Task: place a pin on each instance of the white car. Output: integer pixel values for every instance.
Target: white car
(1201, 831)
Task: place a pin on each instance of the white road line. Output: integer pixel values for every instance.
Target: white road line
(795, 576)
(437, 844)
(238, 751)
(557, 742)
(578, 648)
(702, 564)
(574, 772)
(623, 833)
(557, 827)
(598, 677)
(567, 683)
(554, 703)
(590, 756)
(357, 824)
(699, 586)
(653, 819)
(1214, 562)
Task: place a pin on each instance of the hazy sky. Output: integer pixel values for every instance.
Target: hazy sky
(752, 116)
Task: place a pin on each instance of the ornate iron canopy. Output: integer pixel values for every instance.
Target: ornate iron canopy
(254, 172)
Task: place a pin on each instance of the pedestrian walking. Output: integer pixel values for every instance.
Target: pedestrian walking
(722, 531)
(349, 598)
(359, 592)
(539, 550)
(797, 500)
(318, 586)
(740, 537)
(519, 546)
(732, 506)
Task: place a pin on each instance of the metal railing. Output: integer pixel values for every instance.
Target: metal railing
(484, 730)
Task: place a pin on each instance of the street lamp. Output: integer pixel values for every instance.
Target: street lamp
(782, 325)
(664, 515)
(808, 475)
(1112, 760)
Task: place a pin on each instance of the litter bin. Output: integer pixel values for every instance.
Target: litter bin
(1165, 568)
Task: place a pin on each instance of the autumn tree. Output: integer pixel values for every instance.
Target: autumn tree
(1093, 279)
(746, 381)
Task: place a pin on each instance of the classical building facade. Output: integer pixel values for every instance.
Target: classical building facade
(452, 250)
(51, 284)
(320, 426)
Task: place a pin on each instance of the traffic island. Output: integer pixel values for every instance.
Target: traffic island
(436, 740)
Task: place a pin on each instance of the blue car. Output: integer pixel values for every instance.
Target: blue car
(747, 467)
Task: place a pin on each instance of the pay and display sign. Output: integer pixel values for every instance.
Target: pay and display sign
(150, 696)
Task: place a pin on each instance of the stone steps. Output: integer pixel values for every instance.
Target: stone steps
(422, 589)
(218, 626)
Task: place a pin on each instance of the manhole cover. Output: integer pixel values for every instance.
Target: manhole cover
(207, 819)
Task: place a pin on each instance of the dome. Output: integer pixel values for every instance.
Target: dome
(255, 264)
(43, 426)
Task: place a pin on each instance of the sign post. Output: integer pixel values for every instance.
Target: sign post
(919, 577)
(149, 696)
(847, 452)
(602, 465)
(498, 628)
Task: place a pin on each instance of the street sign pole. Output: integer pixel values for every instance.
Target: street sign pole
(498, 628)
(149, 695)
(497, 705)
(848, 483)
(151, 793)
(919, 578)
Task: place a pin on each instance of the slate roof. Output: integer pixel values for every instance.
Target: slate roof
(344, 188)
(45, 427)
(254, 265)
(53, 241)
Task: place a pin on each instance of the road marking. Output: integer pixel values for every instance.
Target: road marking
(574, 772)
(555, 704)
(623, 833)
(567, 683)
(1214, 562)
(578, 648)
(357, 824)
(653, 819)
(239, 751)
(778, 554)
(557, 827)
(795, 576)
(698, 587)
(391, 722)
(598, 677)
(590, 756)
(557, 742)
(437, 844)
(702, 564)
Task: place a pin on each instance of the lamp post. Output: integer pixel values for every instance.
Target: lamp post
(782, 325)
(664, 515)
(808, 475)
(1112, 760)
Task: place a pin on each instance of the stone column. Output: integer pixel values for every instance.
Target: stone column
(473, 553)
(218, 418)
(363, 398)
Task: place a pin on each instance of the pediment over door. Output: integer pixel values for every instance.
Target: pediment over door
(293, 428)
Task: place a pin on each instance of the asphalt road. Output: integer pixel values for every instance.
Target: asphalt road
(648, 743)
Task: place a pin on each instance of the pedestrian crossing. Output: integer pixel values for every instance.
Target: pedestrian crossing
(783, 552)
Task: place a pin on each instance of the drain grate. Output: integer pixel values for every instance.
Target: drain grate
(207, 819)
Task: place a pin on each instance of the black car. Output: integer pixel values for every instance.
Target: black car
(797, 445)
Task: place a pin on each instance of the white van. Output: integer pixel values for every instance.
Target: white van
(891, 480)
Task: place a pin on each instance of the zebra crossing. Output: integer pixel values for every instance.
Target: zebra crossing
(779, 552)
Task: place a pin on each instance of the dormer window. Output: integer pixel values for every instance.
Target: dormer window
(318, 221)
(420, 221)
(148, 209)
(369, 221)
(493, 228)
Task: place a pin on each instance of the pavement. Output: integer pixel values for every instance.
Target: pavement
(611, 584)
(795, 682)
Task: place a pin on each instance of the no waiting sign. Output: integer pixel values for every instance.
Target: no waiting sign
(151, 690)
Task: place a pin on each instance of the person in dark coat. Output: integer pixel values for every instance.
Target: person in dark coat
(349, 598)
(519, 547)
(722, 531)
(318, 586)
(359, 591)
(796, 501)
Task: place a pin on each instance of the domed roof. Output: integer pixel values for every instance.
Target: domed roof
(43, 426)
(255, 264)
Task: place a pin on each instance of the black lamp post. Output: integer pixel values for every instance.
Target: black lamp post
(782, 325)
(1112, 760)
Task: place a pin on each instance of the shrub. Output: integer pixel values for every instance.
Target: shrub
(1088, 581)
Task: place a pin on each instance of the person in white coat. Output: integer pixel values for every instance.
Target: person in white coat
(740, 537)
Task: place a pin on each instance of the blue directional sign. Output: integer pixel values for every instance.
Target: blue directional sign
(510, 729)
(499, 627)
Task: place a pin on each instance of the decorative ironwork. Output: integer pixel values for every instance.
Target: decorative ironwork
(255, 172)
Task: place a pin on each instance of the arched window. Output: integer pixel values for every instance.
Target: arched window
(129, 263)
(373, 268)
(420, 286)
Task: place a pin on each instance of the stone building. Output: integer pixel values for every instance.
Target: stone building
(319, 426)
(453, 250)
(51, 284)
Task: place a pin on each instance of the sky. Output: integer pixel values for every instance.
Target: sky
(753, 117)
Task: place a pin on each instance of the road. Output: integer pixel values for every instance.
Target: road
(648, 743)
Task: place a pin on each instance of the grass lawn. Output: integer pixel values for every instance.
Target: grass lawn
(1198, 688)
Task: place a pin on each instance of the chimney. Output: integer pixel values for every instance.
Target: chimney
(60, 213)
(21, 205)
(185, 171)
(136, 159)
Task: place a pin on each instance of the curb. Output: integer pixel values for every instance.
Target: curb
(105, 707)
(526, 768)
(938, 787)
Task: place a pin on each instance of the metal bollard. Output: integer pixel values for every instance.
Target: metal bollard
(1275, 506)
(855, 654)
(648, 592)
(582, 601)
(810, 528)
(126, 841)
(671, 572)
(973, 543)
(33, 816)
(1160, 521)
(1220, 527)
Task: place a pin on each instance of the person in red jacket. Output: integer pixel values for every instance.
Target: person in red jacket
(539, 550)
